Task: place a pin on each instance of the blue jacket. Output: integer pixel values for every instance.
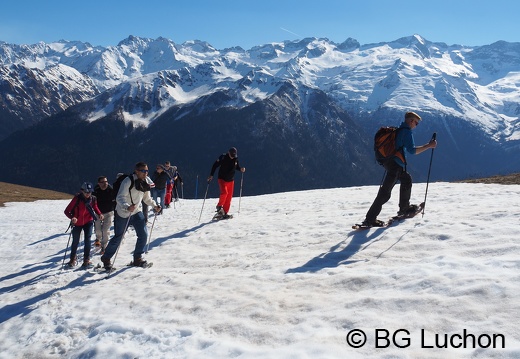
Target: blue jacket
(404, 140)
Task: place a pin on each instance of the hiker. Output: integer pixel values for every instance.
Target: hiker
(143, 203)
(133, 189)
(106, 203)
(169, 184)
(82, 212)
(396, 171)
(159, 178)
(177, 179)
(228, 163)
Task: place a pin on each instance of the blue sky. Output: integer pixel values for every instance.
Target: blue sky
(245, 23)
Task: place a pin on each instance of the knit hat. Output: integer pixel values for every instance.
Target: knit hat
(233, 152)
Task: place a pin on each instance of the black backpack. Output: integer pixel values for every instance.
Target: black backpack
(384, 144)
(117, 184)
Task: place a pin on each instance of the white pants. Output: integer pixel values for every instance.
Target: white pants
(103, 228)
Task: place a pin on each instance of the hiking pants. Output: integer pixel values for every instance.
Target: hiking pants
(394, 173)
(76, 233)
(120, 227)
(168, 195)
(102, 228)
(226, 193)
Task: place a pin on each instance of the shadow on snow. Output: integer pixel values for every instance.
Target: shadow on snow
(360, 240)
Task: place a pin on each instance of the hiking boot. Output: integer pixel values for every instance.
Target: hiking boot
(139, 262)
(411, 209)
(86, 264)
(97, 243)
(72, 262)
(106, 263)
(373, 223)
(220, 211)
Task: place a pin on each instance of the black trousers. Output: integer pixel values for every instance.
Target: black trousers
(394, 173)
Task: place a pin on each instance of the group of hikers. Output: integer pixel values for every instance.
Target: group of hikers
(125, 204)
(125, 208)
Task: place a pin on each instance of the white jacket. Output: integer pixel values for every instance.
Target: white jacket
(126, 198)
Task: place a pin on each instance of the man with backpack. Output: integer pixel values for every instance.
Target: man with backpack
(133, 190)
(395, 167)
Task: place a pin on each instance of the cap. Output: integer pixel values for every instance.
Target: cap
(233, 152)
(413, 115)
(87, 187)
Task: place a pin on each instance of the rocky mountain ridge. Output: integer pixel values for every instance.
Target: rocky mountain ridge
(147, 84)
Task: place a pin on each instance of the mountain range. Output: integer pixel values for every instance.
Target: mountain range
(302, 113)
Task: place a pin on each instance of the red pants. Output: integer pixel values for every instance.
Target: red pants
(168, 196)
(226, 193)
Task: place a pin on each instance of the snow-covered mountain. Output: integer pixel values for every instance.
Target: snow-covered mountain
(478, 84)
(459, 90)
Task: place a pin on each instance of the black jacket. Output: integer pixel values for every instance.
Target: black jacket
(105, 199)
(160, 179)
(227, 166)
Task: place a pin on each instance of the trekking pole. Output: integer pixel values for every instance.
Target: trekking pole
(119, 246)
(197, 188)
(67, 248)
(382, 179)
(177, 194)
(182, 190)
(207, 187)
(434, 137)
(240, 198)
(150, 236)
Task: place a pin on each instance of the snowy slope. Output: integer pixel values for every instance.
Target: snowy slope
(286, 278)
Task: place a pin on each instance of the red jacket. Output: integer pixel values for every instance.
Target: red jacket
(78, 208)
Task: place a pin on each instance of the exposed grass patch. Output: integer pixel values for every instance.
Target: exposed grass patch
(16, 193)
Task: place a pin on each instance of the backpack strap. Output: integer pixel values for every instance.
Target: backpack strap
(73, 209)
(400, 150)
(131, 186)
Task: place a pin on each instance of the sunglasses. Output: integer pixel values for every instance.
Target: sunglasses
(143, 171)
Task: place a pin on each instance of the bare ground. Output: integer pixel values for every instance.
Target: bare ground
(16, 193)
(505, 179)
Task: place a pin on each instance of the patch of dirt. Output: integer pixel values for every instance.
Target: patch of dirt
(15, 193)
(505, 179)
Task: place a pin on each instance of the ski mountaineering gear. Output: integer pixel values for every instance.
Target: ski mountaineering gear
(412, 211)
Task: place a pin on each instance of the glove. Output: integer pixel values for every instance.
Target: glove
(210, 178)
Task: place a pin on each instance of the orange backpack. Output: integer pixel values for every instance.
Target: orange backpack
(384, 145)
